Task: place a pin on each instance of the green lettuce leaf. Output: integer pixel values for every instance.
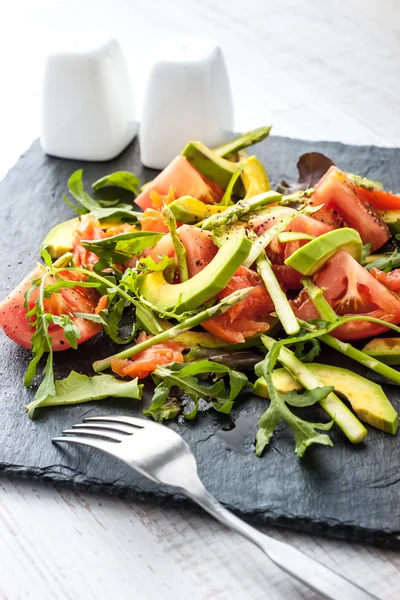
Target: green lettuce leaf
(77, 388)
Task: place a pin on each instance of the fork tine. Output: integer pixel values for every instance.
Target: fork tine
(109, 426)
(135, 422)
(96, 433)
(100, 445)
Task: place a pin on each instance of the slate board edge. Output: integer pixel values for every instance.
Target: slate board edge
(325, 528)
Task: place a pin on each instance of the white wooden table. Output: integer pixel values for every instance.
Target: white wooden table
(314, 70)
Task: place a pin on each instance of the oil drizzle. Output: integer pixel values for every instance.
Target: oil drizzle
(235, 437)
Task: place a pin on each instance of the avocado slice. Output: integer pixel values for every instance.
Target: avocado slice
(223, 235)
(373, 257)
(367, 399)
(311, 257)
(387, 350)
(254, 177)
(189, 210)
(392, 220)
(60, 239)
(213, 167)
(200, 288)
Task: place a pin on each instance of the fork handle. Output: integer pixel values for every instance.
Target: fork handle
(304, 568)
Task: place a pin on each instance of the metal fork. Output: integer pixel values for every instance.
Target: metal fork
(163, 456)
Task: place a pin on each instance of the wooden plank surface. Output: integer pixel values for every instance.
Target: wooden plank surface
(314, 70)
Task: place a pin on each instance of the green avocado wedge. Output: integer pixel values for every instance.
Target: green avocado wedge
(60, 239)
(189, 210)
(311, 257)
(387, 350)
(367, 399)
(392, 220)
(200, 288)
(215, 168)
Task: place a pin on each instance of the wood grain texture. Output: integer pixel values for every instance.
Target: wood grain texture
(316, 71)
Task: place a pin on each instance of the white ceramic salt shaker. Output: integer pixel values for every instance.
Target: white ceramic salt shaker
(187, 97)
(88, 110)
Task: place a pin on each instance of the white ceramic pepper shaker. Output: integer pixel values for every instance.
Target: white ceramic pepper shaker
(187, 97)
(88, 110)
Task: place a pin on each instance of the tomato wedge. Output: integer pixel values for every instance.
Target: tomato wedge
(144, 363)
(15, 324)
(342, 208)
(246, 318)
(377, 198)
(183, 179)
(278, 252)
(351, 290)
(200, 249)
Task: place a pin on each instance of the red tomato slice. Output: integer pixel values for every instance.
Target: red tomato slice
(15, 324)
(184, 180)
(144, 363)
(378, 199)
(351, 290)
(390, 280)
(342, 208)
(200, 250)
(278, 252)
(246, 318)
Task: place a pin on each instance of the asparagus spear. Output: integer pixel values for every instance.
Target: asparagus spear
(179, 248)
(343, 417)
(243, 207)
(262, 242)
(362, 358)
(328, 314)
(169, 334)
(243, 141)
(317, 297)
(281, 303)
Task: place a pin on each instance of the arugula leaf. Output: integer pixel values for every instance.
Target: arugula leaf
(308, 398)
(46, 257)
(76, 189)
(71, 331)
(166, 264)
(184, 377)
(78, 388)
(301, 351)
(139, 242)
(385, 263)
(87, 204)
(305, 432)
(118, 248)
(112, 317)
(79, 210)
(162, 407)
(122, 179)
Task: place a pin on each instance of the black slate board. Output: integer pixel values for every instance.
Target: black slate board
(345, 491)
